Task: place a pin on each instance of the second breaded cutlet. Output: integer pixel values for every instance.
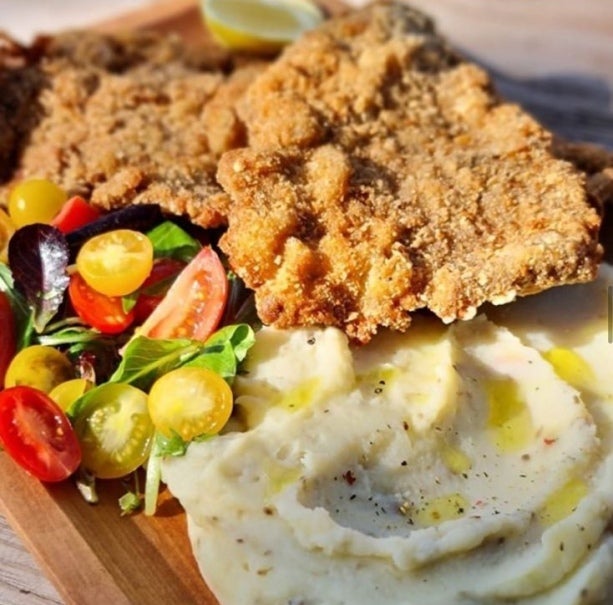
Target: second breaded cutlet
(121, 119)
(384, 175)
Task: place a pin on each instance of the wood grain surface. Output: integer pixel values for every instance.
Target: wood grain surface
(553, 56)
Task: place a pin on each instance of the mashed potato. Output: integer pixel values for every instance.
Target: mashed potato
(449, 465)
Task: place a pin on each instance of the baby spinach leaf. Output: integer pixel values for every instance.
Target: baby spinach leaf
(146, 359)
(170, 241)
(240, 336)
(65, 334)
(219, 359)
(224, 350)
(21, 311)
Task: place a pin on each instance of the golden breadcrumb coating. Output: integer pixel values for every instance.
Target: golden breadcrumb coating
(595, 161)
(122, 119)
(384, 175)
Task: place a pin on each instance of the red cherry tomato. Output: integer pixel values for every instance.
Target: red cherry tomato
(194, 304)
(75, 213)
(105, 313)
(37, 434)
(8, 341)
(163, 273)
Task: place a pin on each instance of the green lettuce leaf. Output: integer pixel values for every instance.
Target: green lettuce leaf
(23, 314)
(170, 241)
(146, 359)
(224, 351)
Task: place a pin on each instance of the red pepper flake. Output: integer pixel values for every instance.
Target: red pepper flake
(349, 477)
(549, 441)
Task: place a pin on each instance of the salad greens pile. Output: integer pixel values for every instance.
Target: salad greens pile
(36, 280)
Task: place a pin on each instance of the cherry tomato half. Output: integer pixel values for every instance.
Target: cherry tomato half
(163, 273)
(105, 313)
(191, 402)
(194, 304)
(114, 429)
(75, 213)
(37, 434)
(67, 392)
(116, 263)
(9, 338)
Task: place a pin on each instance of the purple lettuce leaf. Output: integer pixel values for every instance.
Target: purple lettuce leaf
(38, 256)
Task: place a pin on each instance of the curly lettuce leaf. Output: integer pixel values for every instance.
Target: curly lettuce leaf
(38, 257)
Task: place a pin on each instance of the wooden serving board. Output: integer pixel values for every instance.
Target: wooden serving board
(91, 553)
(554, 56)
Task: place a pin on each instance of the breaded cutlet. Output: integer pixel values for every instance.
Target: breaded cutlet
(384, 175)
(595, 161)
(121, 119)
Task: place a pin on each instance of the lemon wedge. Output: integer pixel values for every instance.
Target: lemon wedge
(259, 25)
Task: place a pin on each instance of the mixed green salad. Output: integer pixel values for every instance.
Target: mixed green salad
(121, 335)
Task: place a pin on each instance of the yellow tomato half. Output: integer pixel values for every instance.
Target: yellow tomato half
(117, 262)
(190, 402)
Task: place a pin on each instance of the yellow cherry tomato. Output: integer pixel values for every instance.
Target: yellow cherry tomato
(114, 429)
(35, 201)
(190, 402)
(66, 393)
(117, 262)
(38, 366)
(7, 228)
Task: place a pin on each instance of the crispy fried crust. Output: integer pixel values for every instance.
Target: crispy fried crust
(122, 119)
(385, 176)
(595, 161)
